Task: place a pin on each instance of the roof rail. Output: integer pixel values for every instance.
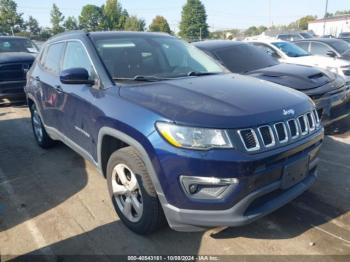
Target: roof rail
(68, 33)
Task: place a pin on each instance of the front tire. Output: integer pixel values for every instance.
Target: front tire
(133, 195)
(40, 135)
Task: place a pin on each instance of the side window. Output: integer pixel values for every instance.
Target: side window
(304, 45)
(52, 58)
(75, 57)
(319, 49)
(268, 50)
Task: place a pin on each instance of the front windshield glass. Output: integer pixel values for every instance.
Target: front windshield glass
(340, 45)
(151, 56)
(17, 45)
(245, 58)
(290, 49)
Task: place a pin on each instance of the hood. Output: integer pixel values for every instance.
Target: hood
(219, 101)
(13, 57)
(295, 76)
(319, 61)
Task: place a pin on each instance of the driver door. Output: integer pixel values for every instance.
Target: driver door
(79, 99)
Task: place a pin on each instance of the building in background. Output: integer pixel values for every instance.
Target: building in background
(330, 25)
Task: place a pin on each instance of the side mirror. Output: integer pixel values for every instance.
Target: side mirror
(76, 76)
(331, 53)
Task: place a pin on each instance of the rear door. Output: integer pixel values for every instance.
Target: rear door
(319, 49)
(47, 79)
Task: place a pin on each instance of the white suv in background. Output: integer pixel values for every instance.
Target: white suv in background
(287, 52)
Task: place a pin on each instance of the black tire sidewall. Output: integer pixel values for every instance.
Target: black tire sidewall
(149, 197)
(46, 141)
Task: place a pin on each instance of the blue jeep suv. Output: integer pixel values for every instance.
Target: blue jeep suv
(178, 138)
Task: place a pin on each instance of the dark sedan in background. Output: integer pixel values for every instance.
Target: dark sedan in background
(17, 54)
(329, 91)
(345, 36)
(332, 47)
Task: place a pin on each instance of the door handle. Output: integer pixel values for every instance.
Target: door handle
(58, 88)
(37, 78)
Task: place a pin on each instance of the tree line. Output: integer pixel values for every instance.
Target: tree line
(112, 16)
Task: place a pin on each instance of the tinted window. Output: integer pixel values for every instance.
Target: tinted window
(267, 49)
(319, 49)
(75, 57)
(284, 37)
(347, 34)
(17, 45)
(303, 45)
(127, 57)
(244, 58)
(340, 45)
(290, 49)
(52, 58)
(306, 35)
(290, 37)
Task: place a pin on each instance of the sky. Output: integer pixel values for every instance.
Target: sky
(222, 14)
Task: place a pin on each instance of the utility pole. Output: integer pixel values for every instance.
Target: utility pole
(325, 17)
(270, 23)
(200, 34)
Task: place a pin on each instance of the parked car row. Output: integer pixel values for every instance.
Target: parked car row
(17, 54)
(180, 138)
(328, 90)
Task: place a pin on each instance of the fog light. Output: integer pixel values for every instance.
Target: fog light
(193, 188)
(207, 187)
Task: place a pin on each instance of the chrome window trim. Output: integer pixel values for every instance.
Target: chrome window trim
(273, 143)
(296, 127)
(257, 147)
(285, 131)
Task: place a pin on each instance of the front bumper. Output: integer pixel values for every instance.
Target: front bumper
(244, 212)
(259, 192)
(333, 107)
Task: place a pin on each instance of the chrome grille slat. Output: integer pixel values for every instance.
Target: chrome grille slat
(268, 136)
(293, 128)
(303, 125)
(311, 121)
(247, 135)
(281, 132)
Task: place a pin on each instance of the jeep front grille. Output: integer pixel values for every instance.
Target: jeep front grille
(250, 139)
(269, 136)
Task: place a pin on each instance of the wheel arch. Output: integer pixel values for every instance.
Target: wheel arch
(126, 140)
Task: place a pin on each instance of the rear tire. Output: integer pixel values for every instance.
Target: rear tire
(133, 195)
(40, 135)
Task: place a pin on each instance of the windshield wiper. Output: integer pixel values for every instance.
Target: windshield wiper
(140, 78)
(194, 73)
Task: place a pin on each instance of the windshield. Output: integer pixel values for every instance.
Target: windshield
(290, 49)
(17, 45)
(245, 58)
(128, 57)
(340, 45)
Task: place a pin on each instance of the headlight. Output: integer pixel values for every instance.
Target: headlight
(333, 69)
(193, 137)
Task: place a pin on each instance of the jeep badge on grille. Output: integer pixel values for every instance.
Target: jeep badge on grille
(288, 112)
